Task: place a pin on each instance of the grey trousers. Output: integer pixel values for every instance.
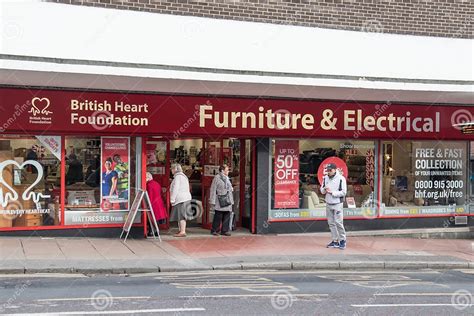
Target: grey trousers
(336, 221)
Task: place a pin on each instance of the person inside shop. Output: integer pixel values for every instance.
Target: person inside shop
(221, 201)
(93, 173)
(153, 189)
(335, 188)
(109, 179)
(74, 173)
(94, 164)
(180, 198)
(31, 155)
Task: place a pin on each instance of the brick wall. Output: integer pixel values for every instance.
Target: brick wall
(442, 18)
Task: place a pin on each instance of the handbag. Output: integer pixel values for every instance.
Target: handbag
(224, 199)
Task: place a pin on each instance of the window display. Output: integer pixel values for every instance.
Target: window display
(424, 178)
(100, 177)
(471, 177)
(30, 180)
(298, 165)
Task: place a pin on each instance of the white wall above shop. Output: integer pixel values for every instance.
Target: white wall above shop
(49, 44)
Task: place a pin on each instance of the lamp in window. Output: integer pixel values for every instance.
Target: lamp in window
(390, 171)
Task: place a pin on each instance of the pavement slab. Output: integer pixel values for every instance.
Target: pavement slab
(78, 248)
(11, 249)
(41, 248)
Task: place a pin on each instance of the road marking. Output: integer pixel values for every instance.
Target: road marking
(159, 275)
(142, 311)
(249, 287)
(253, 295)
(91, 298)
(251, 283)
(406, 305)
(212, 277)
(415, 294)
(43, 275)
(378, 280)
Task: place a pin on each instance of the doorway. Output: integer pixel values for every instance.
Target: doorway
(200, 159)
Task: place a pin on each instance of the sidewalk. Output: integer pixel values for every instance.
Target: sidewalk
(240, 251)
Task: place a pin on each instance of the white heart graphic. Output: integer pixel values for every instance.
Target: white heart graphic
(27, 195)
(36, 108)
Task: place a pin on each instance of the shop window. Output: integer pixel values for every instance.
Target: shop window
(298, 165)
(100, 179)
(30, 181)
(424, 178)
(471, 176)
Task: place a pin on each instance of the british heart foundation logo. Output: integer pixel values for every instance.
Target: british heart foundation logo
(40, 113)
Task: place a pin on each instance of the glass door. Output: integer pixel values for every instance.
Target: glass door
(188, 153)
(211, 161)
(157, 163)
(231, 156)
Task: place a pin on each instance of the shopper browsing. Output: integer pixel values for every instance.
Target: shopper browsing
(334, 186)
(180, 198)
(153, 189)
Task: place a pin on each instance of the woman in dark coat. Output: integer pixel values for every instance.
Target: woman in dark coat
(221, 185)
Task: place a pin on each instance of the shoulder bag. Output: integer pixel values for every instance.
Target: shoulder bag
(224, 199)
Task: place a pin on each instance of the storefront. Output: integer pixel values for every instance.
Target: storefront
(74, 159)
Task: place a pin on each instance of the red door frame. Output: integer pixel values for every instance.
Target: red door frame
(205, 216)
(166, 183)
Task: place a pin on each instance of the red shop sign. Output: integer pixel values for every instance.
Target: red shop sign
(79, 112)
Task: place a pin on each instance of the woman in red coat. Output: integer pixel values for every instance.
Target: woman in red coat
(154, 192)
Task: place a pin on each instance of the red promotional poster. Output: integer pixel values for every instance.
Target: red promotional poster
(340, 164)
(287, 174)
(115, 175)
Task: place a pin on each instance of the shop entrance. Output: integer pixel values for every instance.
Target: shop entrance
(200, 159)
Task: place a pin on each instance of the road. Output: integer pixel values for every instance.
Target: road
(426, 292)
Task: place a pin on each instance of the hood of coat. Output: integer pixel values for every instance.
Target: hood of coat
(337, 176)
(222, 174)
(179, 173)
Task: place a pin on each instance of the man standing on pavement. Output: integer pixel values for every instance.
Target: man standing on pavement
(335, 188)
